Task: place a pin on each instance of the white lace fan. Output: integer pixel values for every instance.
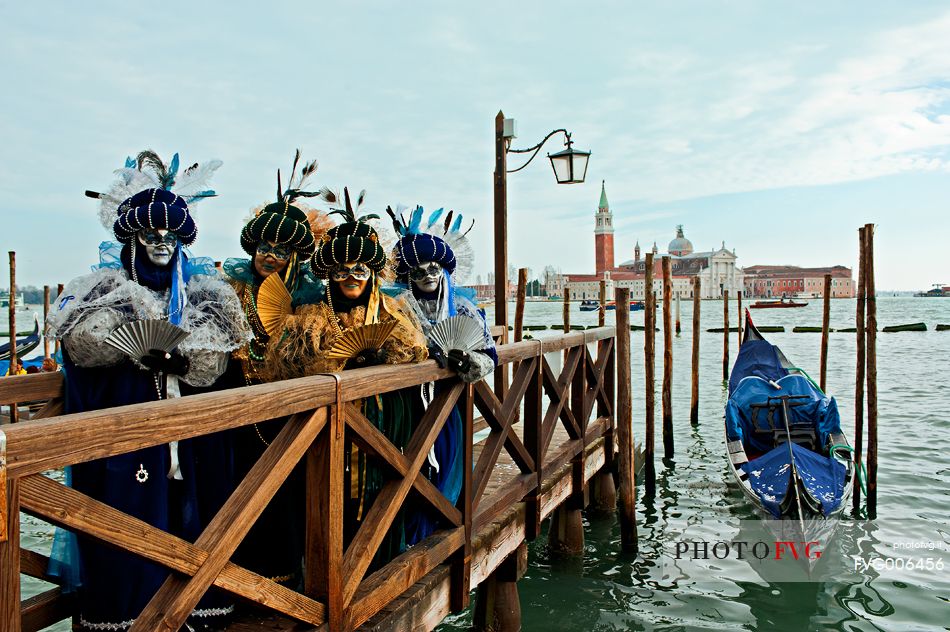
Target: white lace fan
(458, 332)
(136, 338)
(360, 339)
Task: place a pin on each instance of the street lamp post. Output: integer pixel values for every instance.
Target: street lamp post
(570, 167)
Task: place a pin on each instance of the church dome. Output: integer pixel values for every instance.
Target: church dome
(680, 245)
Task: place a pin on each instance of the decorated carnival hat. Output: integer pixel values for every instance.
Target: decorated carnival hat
(149, 194)
(282, 222)
(353, 240)
(442, 242)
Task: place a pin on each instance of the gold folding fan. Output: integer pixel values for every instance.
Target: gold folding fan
(273, 304)
(358, 339)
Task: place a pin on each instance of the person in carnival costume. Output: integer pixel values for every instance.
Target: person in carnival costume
(147, 276)
(352, 260)
(433, 259)
(280, 239)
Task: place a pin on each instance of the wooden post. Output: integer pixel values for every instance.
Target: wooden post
(602, 312)
(649, 347)
(501, 245)
(739, 320)
(14, 411)
(624, 414)
(678, 327)
(462, 561)
(667, 395)
(859, 372)
(497, 606)
(567, 310)
(825, 322)
(519, 305)
(871, 333)
(45, 316)
(59, 292)
(725, 335)
(10, 559)
(694, 391)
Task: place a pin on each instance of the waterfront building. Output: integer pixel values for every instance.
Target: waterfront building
(766, 281)
(716, 267)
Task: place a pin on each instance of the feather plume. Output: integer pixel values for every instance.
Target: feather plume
(280, 188)
(149, 160)
(448, 222)
(293, 169)
(415, 220)
(346, 199)
(398, 226)
(330, 197)
(192, 185)
(469, 228)
(129, 162)
(360, 198)
(433, 218)
(458, 223)
(295, 189)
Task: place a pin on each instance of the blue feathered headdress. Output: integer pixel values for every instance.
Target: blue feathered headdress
(432, 240)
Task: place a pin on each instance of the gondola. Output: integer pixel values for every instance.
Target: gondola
(784, 440)
(23, 345)
(780, 303)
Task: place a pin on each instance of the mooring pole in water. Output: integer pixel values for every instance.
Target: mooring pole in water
(694, 390)
(14, 412)
(45, 316)
(871, 333)
(626, 464)
(519, 304)
(667, 394)
(738, 320)
(649, 348)
(678, 328)
(497, 606)
(825, 324)
(59, 292)
(859, 371)
(725, 335)
(567, 309)
(602, 310)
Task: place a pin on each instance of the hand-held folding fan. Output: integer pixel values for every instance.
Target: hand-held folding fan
(458, 332)
(273, 304)
(358, 339)
(136, 338)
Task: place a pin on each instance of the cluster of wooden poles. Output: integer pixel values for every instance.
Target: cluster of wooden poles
(14, 413)
(866, 327)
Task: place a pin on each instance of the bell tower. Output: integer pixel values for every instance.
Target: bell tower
(603, 235)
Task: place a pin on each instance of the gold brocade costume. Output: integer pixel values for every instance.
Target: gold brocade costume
(312, 330)
(251, 355)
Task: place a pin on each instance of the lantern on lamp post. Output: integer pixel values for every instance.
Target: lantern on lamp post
(570, 167)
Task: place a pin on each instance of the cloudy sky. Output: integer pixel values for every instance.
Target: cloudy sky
(777, 128)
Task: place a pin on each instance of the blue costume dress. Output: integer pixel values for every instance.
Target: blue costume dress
(114, 586)
(448, 449)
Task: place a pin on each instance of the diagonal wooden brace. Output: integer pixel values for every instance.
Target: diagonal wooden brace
(373, 441)
(65, 507)
(177, 597)
(387, 504)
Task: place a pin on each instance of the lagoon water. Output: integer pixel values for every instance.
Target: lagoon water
(609, 590)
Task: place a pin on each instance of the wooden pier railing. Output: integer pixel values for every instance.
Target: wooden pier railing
(339, 590)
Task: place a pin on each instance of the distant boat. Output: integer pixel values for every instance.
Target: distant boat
(937, 291)
(5, 299)
(592, 305)
(783, 302)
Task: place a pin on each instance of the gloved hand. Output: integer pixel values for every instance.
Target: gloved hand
(168, 363)
(436, 354)
(459, 361)
(367, 357)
